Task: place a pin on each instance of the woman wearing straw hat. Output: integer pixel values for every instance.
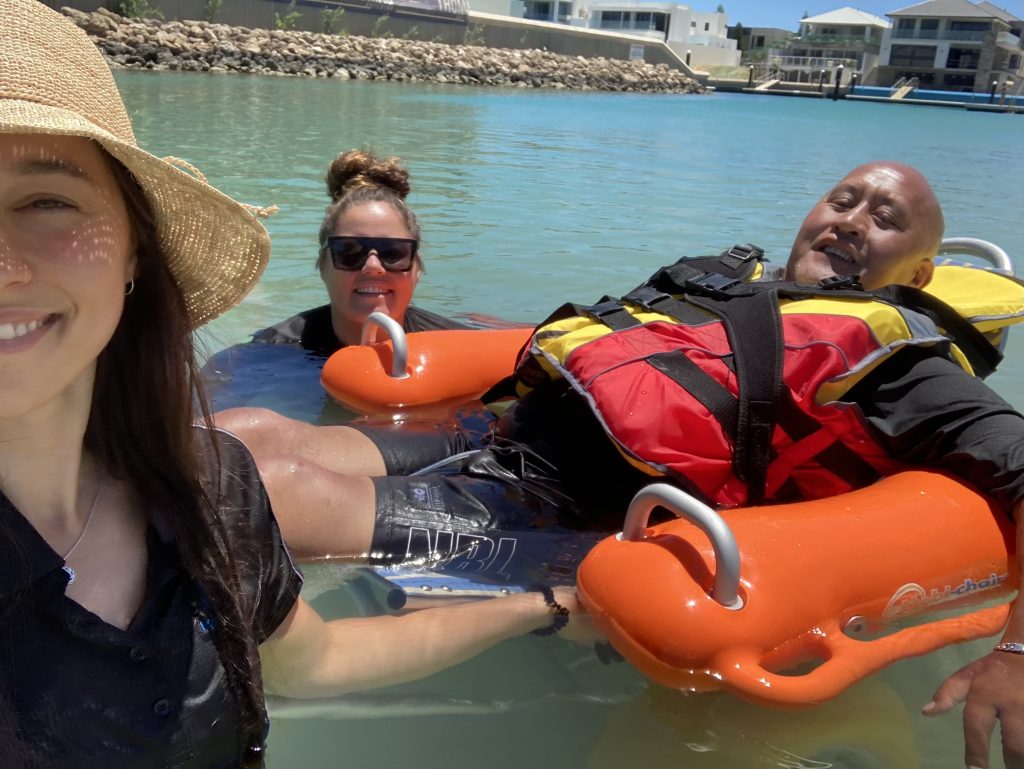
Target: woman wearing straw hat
(145, 594)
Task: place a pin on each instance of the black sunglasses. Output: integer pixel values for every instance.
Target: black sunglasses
(350, 252)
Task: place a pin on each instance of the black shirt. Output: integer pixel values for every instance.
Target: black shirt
(82, 693)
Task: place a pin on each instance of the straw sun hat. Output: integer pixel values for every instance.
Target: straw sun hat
(54, 81)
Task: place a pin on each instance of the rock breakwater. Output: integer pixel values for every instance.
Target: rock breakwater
(207, 47)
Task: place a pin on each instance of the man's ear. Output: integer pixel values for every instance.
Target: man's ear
(923, 273)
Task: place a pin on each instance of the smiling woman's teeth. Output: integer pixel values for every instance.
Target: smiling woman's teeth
(14, 330)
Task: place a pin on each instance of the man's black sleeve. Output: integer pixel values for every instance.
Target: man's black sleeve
(925, 410)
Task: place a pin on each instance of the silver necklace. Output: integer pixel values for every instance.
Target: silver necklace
(88, 520)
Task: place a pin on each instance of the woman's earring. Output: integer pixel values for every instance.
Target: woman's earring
(130, 288)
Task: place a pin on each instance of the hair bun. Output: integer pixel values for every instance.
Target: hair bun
(361, 168)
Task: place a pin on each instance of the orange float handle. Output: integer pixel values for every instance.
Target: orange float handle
(399, 343)
(422, 369)
(727, 553)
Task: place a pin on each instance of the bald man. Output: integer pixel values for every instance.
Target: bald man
(549, 468)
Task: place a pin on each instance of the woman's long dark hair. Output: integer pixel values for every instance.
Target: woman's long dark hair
(141, 429)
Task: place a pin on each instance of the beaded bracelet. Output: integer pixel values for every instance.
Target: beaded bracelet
(559, 614)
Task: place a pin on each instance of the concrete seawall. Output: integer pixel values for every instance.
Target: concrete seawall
(201, 46)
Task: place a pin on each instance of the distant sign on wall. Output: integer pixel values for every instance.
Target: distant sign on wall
(456, 8)
(636, 52)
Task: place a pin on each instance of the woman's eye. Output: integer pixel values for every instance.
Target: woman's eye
(50, 204)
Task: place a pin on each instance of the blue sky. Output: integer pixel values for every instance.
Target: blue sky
(787, 14)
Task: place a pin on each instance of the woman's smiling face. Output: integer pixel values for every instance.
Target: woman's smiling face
(65, 257)
(356, 293)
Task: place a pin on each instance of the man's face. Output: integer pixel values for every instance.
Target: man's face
(881, 223)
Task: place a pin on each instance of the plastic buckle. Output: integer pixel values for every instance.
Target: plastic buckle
(711, 284)
(837, 282)
(605, 308)
(745, 252)
(646, 297)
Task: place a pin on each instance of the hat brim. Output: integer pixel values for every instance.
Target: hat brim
(216, 248)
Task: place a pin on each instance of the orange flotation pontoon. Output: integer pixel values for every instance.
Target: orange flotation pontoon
(426, 368)
(749, 599)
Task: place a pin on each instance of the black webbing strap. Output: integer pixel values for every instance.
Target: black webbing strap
(838, 458)
(711, 275)
(981, 353)
(754, 328)
(612, 314)
(653, 300)
(712, 395)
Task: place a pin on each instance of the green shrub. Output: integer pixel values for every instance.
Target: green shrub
(211, 8)
(474, 35)
(135, 9)
(289, 20)
(330, 20)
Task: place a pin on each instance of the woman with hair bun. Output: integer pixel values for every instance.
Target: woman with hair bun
(368, 259)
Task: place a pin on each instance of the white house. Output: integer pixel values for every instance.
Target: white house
(701, 37)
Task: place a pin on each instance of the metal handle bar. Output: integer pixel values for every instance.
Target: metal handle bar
(990, 252)
(399, 344)
(727, 553)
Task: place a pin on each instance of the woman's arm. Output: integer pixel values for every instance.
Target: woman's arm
(308, 657)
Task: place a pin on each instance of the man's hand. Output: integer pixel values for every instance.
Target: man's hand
(991, 688)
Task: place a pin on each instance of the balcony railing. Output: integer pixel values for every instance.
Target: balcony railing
(940, 34)
(809, 63)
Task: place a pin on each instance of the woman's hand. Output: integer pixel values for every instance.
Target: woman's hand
(581, 627)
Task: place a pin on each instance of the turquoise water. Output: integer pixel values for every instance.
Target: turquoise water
(528, 199)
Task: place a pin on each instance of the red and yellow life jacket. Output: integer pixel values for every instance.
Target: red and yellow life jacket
(738, 386)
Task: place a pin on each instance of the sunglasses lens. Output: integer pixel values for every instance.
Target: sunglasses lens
(397, 256)
(351, 253)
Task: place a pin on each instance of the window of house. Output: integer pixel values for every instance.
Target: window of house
(905, 27)
(963, 58)
(970, 26)
(564, 10)
(661, 21)
(856, 32)
(912, 56)
(643, 19)
(1014, 63)
(707, 26)
(759, 41)
(611, 19)
(693, 25)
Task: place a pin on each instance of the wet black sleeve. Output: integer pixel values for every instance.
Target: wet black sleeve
(927, 411)
(269, 580)
(417, 319)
